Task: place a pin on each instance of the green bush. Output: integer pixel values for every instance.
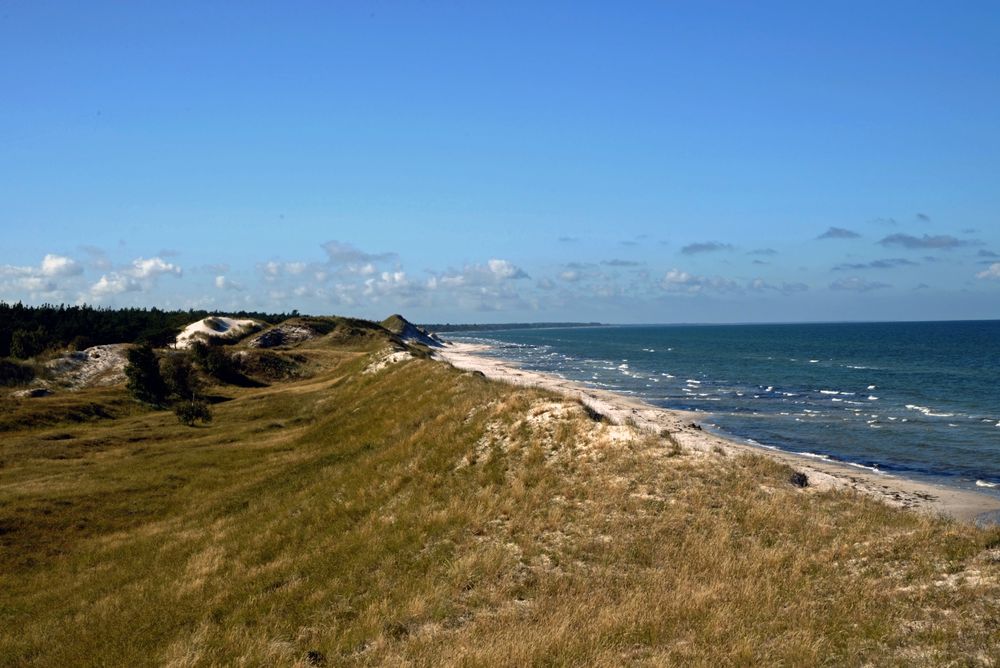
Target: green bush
(15, 373)
(217, 363)
(189, 412)
(144, 380)
(179, 376)
(26, 343)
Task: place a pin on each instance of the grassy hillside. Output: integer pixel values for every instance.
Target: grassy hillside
(416, 513)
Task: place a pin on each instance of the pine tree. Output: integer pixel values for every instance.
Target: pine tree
(144, 380)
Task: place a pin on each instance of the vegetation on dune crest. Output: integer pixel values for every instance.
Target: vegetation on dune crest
(27, 331)
(423, 515)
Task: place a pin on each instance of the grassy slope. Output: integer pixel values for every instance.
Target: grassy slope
(422, 514)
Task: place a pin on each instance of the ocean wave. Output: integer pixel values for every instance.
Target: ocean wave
(983, 483)
(874, 469)
(927, 411)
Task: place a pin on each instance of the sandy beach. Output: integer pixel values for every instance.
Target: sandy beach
(961, 504)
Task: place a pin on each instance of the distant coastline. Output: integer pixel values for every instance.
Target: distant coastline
(492, 327)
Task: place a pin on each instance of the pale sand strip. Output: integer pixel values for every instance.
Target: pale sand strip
(964, 505)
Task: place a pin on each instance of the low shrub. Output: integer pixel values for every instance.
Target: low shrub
(189, 412)
(15, 373)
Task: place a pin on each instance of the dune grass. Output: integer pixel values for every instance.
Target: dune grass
(421, 515)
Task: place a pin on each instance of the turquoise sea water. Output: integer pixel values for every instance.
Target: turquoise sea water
(918, 399)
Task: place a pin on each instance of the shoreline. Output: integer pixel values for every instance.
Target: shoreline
(923, 496)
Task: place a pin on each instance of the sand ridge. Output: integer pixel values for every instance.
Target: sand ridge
(964, 505)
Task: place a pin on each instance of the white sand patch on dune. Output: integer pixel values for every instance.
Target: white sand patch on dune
(96, 366)
(214, 327)
(387, 358)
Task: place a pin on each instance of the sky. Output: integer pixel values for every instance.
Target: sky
(493, 162)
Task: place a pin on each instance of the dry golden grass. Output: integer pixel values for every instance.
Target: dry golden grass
(420, 515)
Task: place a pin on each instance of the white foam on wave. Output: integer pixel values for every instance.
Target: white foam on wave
(874, 469)
(983, 483)
(872, 397)
(814, 456)
(871, 387)
(927, 411)
(692, 381)
(829, 391)
(813, 361)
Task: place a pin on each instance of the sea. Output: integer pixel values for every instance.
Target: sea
(917, 399)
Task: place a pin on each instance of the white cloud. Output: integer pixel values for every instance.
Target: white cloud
(493, 273)
(60, 265)
(114, 284)
(993, 271)
(36, 284)
(857, 284)
(389, 282)
(760, 285)
(341, 252)
(367, 269)
(41, 281)
(153, 267)
(502, 269)
(570, 276)
(140, 276)
(676, 280)
(224, 283)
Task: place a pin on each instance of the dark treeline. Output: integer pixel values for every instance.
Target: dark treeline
(448, 327)
(26, 331)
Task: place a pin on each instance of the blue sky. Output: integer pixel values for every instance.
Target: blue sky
(647, 162)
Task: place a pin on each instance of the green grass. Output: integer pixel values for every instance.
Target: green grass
(425, 515)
